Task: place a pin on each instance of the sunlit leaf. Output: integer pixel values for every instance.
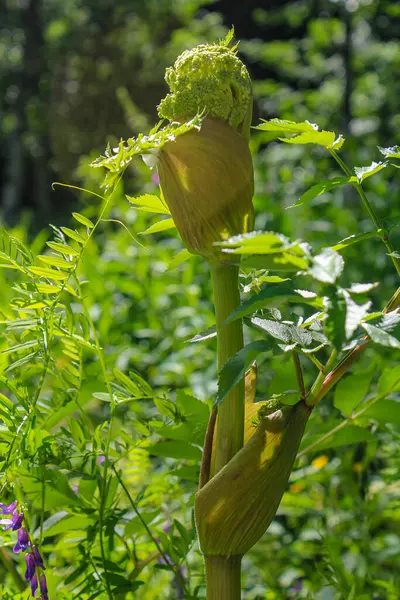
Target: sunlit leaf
(149, 203)
(83, 220)
(365, 172)
(327, 266)
(159, 226)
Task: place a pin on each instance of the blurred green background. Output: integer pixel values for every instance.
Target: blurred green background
(77, 74)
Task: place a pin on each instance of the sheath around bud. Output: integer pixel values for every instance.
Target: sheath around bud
(206, 177)
(234, 509)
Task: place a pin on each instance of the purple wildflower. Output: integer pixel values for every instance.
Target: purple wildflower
(14, 523)
(30, 567)
(37, 558)
(34, 585)
(155, 178)
(23, 540)
(43, 587)
(8, 510)
(100, 459)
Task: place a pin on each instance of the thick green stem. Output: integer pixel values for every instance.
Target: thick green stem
(230, 423)
(223, 577)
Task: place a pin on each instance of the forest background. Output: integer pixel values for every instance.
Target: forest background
(76, 75)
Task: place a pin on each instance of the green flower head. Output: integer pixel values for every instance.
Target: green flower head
(209, 78)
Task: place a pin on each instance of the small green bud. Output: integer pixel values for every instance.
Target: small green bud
(210, 79)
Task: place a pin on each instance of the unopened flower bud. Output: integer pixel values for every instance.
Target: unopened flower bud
(206, 177)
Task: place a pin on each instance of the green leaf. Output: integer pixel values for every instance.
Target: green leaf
(59, 415)
(364, 172)
(351, 434)
(362, 288)
(320, 138)
(284, 261)
(282, 126)
(159, 226)
(272, 295)
(354, 315)
(175, 449)
(46, 288)
(321, 188)
(392, 152)
(327, 266)
(55, 261)
(354, 239)
(179, 258)
(63, 248)
(384, 411)
(235, 368)
(20, 362)
(74, 235)
(83, 220)
(389, 380)
(379, 336)
(351, 390)
(208, 334)
(335, 322)
(21, 347)
(48, 273)
(284, 332)
(256, 242)
(149, 203)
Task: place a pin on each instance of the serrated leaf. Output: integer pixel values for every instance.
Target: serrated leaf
(272, 295)
(379, 336)
(320, 138)
(256, 242)
(362, 288)
(159, 226)
(391, 152)
(364, 172)
(335, 322)
(283, 126)
(351, 390)
(283, 261)
(149, 203)
(321, 188)
(279, 331)
(83, 220)
(327, 266)
(354, 315)
(234, 370)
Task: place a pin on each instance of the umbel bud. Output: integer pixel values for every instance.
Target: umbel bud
(234, 509)
(206, 177)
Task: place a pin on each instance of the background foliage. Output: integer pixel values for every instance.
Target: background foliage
(77, 75)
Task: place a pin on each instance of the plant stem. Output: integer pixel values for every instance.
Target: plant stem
(371, 212)
(223, 577)
(230, 423)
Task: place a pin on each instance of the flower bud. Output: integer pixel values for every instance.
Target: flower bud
(206, 177)
(234, 509)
